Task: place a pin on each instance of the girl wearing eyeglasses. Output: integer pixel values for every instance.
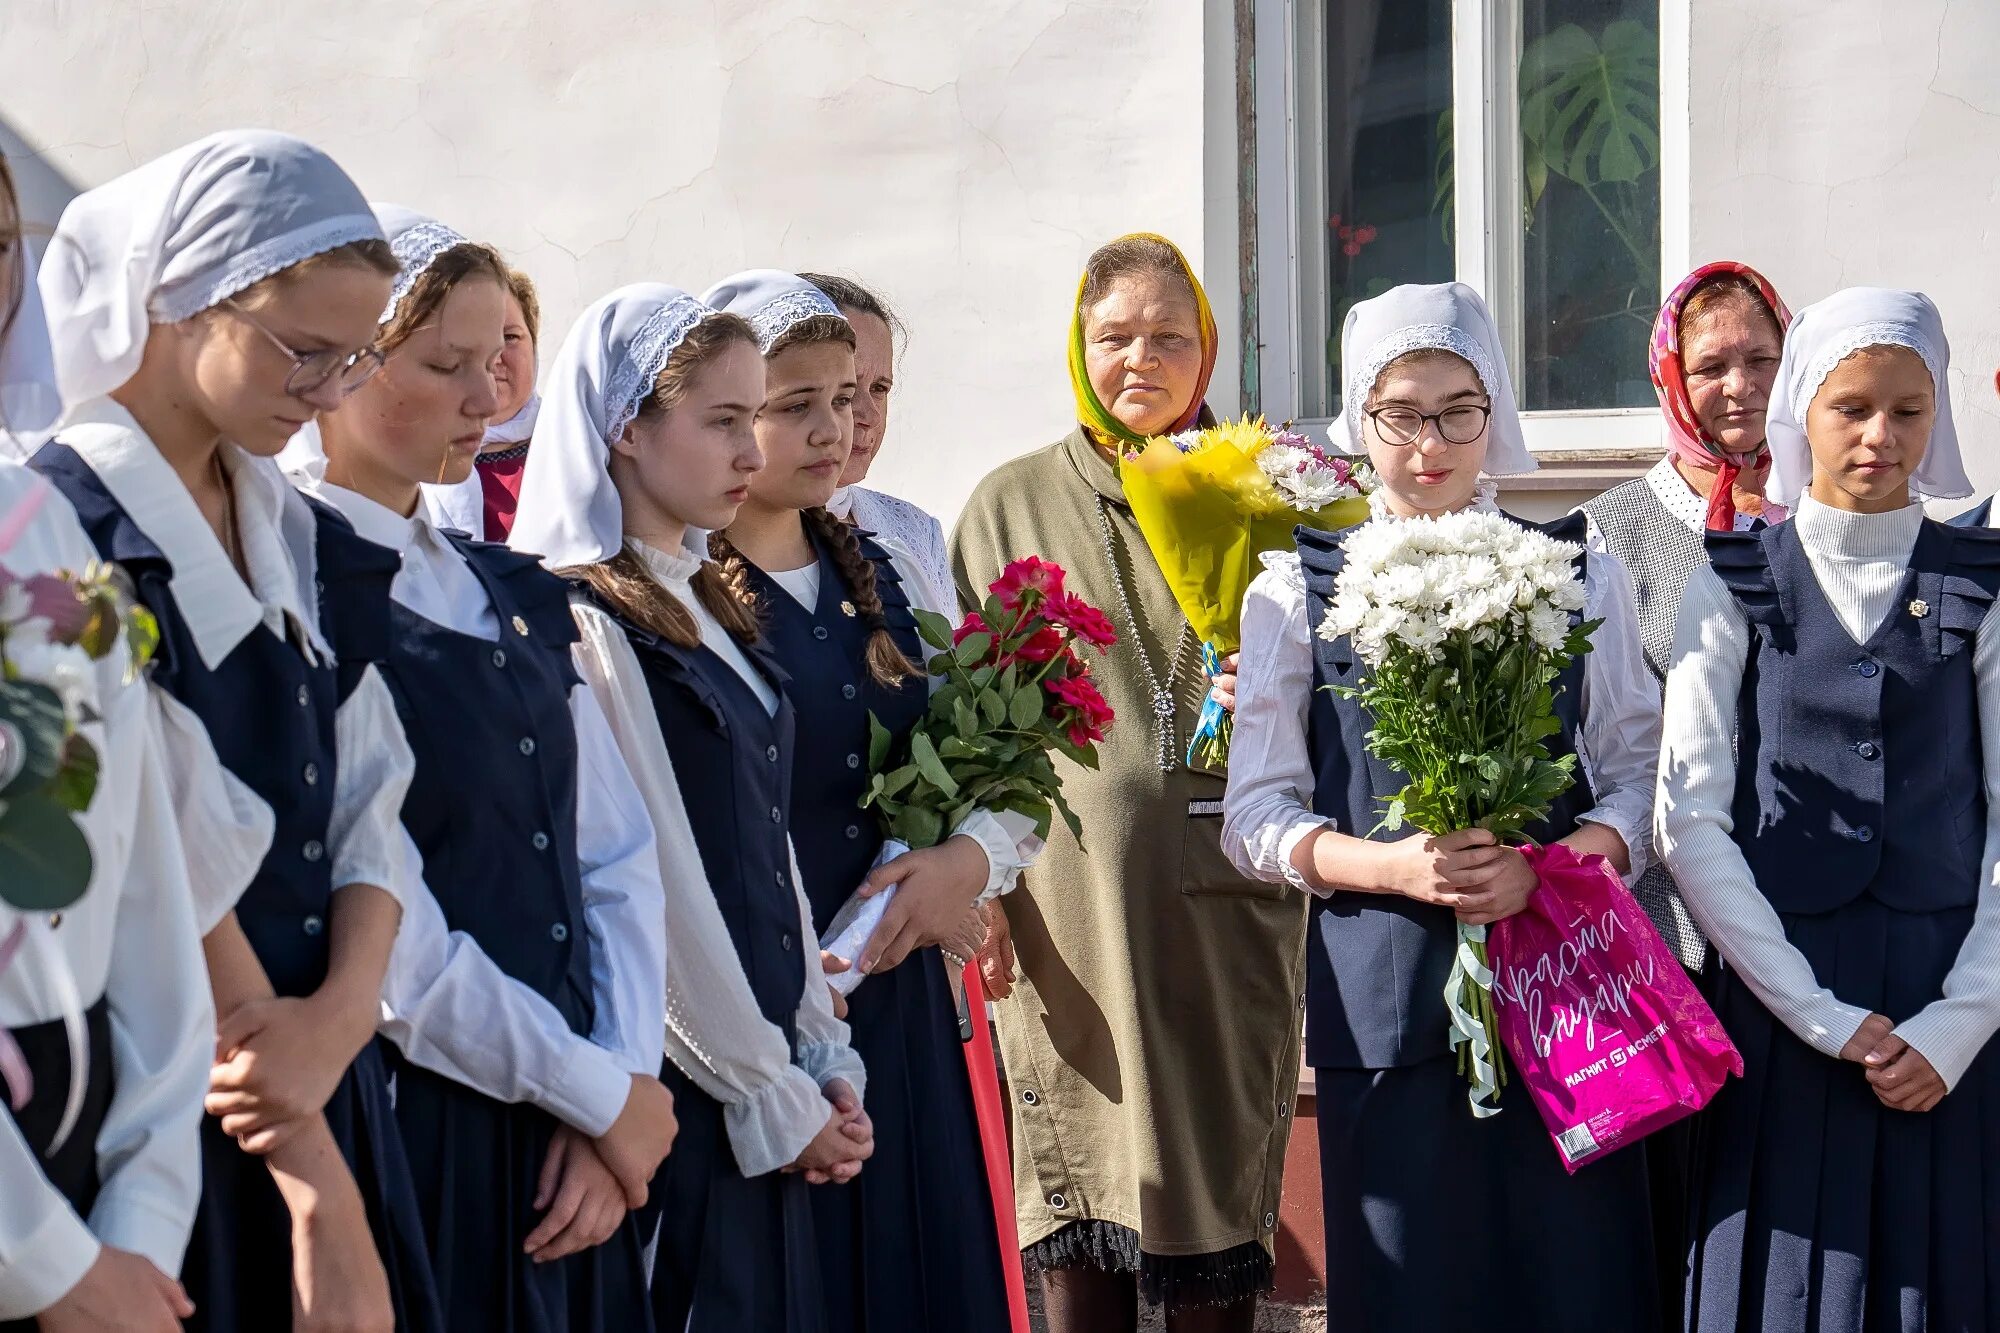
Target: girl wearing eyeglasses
(1435, 1219)
(202, 308)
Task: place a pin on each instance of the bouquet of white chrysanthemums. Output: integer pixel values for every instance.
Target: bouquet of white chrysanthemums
(1463, 624)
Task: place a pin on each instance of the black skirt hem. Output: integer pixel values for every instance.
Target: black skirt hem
(1177, 1281)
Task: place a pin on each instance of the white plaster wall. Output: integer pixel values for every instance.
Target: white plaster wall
(1842, 143)
(962, 155)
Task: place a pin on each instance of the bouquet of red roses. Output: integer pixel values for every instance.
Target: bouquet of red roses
(1011, 688)
(1014, 689)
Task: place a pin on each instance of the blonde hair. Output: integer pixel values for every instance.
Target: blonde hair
(419, 306)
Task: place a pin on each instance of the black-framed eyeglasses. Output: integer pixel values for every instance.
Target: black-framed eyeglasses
(313, 370)
(1460, 423)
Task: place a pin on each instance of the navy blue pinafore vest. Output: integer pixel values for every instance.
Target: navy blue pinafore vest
(493, 802)
(734, 1253)
(269, 713)
(493, 809)
(1860, 768)
(1376, 963)
(909, 1245)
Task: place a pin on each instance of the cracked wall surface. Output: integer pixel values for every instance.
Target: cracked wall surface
(1846, 143)
(964, 155)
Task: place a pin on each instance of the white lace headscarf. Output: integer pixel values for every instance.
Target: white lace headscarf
(1449, 316)
(570, 513)
(1828, 332)
(771, 300)
(417, 241)
(184, 232)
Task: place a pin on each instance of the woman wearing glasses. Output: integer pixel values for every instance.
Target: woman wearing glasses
(202, 309)
(1435, 1219)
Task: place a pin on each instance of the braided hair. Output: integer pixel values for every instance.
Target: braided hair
(886, 662)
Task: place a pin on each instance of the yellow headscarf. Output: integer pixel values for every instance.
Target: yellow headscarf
(1096, 418)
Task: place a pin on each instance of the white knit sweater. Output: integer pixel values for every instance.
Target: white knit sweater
(1859, 561)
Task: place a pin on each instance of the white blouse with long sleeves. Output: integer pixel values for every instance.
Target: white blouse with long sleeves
(277, 532)
(130, 939)
(1267, 810)
(1859, 561)
(445, 1002)
(715, 1033)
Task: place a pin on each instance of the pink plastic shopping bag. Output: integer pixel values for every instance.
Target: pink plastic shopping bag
(1600, 1023)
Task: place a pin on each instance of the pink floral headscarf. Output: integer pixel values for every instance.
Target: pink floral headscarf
(1685, 437)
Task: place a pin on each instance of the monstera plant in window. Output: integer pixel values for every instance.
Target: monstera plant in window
(1590, 156)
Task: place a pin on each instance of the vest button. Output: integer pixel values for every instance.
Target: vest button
(771, 753)
(1057, 1201)
(1867, 669)
(1867, 749)
(777, 815)
(527, 745)
(541, 841)
(785, 941)
(1030, 1096)
(783, 881)
(305, 697)
(312, 925)
(1270, 1220)
(1864, 834)
(499, 657)
(558, 932)
(852, 830)
(819, 632)
(854, 761)
(313, 850)
(847, 691)
(311, 775)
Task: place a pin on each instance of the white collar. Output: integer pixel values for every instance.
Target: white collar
(372, 522)
(1485, 500)
(275, 526)
(1683, 501)
(675, 569)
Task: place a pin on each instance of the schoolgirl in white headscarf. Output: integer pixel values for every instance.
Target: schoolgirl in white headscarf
(202, 308)
(1435, 1218)
(644, 442)
(525, 986)
(911, 1245)
(1827, 784)
(105, 1002)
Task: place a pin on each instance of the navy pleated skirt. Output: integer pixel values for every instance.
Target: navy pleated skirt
(72, 1168)
(239, 1263)
(1817, 1208)
(1435, 1220)
(734, 1253)
(477, 1164)
(909, 1246)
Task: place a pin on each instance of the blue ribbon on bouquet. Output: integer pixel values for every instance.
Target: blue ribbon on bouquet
(1210, 743)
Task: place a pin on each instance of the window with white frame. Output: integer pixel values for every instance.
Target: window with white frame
(1517, 145)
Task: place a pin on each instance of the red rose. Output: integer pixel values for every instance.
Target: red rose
(1041, 646)
(1087, 715)
(1081, 619)
(1029, 576)
(974, 624)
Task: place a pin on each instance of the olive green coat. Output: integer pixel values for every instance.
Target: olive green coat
(1152, 1043)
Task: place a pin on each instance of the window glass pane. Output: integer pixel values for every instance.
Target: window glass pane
(1590, 145)
(1388, 147)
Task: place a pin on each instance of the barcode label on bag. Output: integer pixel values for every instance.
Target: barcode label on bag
(1576, 1142)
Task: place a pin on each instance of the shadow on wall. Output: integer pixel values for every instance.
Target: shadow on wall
(44, 190)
